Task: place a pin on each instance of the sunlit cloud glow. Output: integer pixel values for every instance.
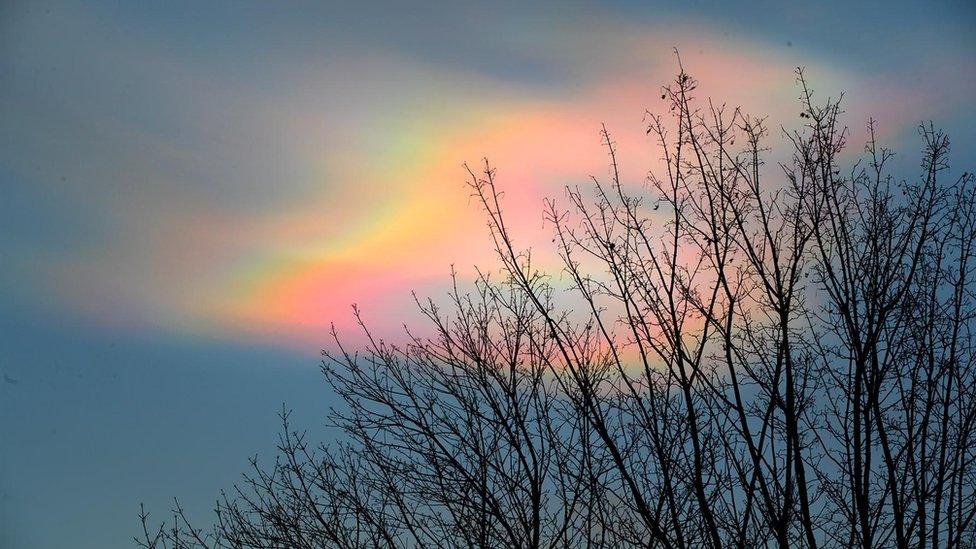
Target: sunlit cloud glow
(266, 210)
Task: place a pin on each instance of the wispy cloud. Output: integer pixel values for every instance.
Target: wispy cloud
(261, 194)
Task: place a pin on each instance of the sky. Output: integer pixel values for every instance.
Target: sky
(192, 193)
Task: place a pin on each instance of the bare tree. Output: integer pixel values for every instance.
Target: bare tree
(745, 356)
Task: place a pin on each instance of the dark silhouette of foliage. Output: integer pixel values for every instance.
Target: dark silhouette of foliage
(736, 363)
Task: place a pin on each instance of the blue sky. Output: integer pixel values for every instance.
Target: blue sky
(191, 193)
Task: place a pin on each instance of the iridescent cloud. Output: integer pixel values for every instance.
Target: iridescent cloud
(343, 183)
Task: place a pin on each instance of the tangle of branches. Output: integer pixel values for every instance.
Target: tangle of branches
(747, 355)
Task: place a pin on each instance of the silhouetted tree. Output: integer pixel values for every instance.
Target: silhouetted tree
(735, 363)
